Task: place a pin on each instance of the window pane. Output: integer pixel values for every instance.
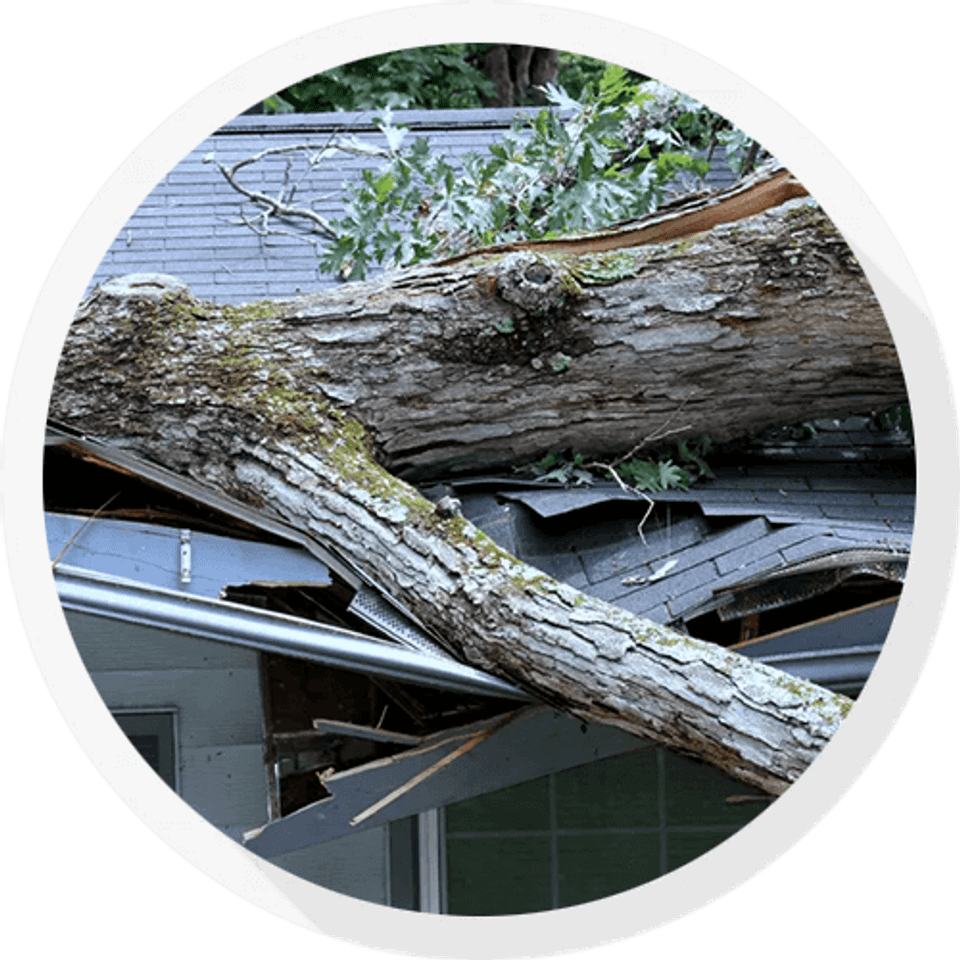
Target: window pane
(152, 737)
(616, 792)
(489, 876)
(599, 865)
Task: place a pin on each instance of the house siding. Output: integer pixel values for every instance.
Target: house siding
(215, 690)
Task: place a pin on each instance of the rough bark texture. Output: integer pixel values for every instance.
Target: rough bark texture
(301, 408)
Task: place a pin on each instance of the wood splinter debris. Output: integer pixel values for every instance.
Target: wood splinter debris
(657, 574)
(404, 788)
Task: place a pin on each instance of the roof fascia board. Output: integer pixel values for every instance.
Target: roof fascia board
(115, 547)
(528, 744)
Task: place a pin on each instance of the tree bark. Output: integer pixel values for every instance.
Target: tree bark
(311, 409)
(517, 71)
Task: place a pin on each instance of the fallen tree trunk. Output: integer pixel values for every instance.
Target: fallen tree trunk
(309, 409)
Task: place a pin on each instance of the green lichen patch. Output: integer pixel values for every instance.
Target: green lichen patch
(602, 268)
(526, 582)
(842, 704)
(830, 705)
(681, 247)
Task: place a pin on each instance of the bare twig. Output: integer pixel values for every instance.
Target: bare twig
(281, 205)
(275, 206)
(83, 526)
(657, 434)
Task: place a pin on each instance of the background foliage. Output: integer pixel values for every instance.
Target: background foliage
(608, 147)
(445, 76)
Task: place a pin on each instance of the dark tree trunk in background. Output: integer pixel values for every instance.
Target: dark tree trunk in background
(517, 71)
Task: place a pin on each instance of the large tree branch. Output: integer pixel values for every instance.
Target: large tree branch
(302, 407)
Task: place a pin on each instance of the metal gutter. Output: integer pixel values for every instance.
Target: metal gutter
(828, 668)
(82, 591)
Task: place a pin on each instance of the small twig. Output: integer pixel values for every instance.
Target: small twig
(657, 434)
(639, 493)
(83, 526)
(751, 159)
(281, 206)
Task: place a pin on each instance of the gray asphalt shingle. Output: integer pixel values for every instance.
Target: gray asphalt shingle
(192, 212)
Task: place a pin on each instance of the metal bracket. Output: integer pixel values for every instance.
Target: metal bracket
(185, 558)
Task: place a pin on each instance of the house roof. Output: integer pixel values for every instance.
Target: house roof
(187, 225)
(779, 502)
(779, 527)
(756, 537)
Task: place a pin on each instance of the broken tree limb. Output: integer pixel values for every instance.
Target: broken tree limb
(309, 409)
(769, 187)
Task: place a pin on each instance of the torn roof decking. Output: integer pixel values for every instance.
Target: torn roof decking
(786, 500)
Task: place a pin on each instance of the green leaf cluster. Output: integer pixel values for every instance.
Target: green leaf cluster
(896, 418)
(580, 166)
(654, 475)
(553, 468)
(651, 474)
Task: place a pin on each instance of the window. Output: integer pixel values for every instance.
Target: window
(153, 735)
(587, 832)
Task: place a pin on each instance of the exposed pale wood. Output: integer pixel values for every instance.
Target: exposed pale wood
(444, 761)
(297, 408)
(769, 187)
(364, 733)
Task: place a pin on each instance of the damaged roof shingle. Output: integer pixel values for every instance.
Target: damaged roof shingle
(744, 526)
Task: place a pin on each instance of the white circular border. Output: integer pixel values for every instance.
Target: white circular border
(753, 847)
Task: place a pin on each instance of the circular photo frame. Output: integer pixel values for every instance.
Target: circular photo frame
(680, 891)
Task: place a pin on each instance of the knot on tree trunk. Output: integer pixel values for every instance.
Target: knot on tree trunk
(534, 283)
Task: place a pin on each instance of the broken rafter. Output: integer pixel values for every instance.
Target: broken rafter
(444, 761)
(343, 729)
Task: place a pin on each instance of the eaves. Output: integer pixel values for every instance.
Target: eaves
(115, 598)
